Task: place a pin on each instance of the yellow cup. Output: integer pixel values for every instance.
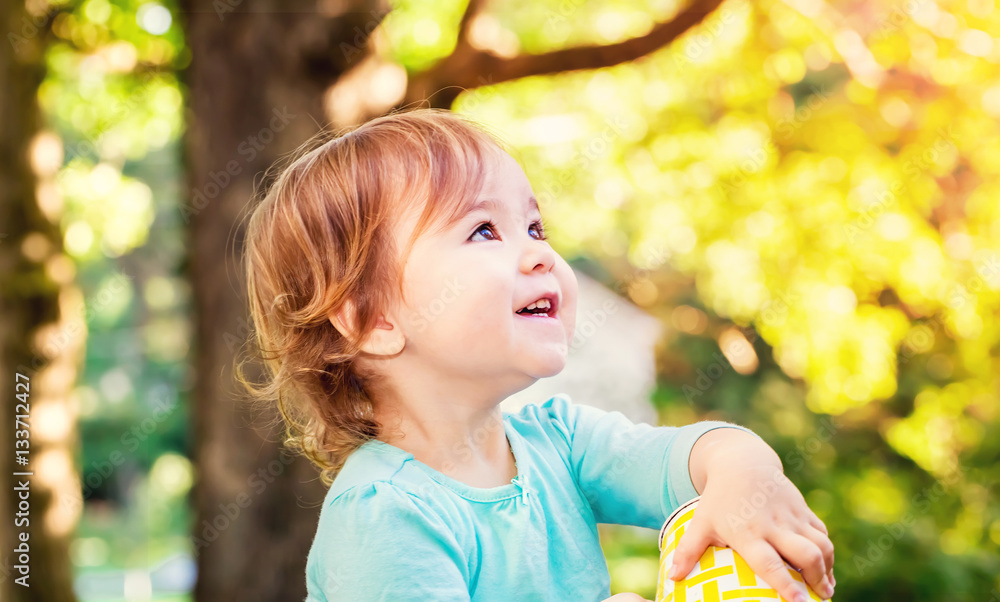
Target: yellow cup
(720, 575)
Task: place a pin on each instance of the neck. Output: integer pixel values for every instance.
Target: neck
(452, 422)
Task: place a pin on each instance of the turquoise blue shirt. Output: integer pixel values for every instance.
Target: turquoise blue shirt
(393, 528)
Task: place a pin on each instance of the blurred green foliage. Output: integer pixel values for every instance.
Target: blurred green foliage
(807, 194)
(112, 98)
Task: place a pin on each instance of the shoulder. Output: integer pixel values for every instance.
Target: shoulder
(557, 416)
(366, 465)
(549, 424)
(376, 462)
(374, 514)
(557, 406)
(378, 488)
(378, 541)
(381, 505)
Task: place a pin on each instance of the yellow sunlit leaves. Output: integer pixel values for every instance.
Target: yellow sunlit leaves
(786, 66)
(795, 177)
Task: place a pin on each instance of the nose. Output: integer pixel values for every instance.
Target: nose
(537, 256)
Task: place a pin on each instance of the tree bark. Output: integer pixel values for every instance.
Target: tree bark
(39, 344)
(256, 84)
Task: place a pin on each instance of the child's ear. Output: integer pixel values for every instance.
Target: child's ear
(386, 339)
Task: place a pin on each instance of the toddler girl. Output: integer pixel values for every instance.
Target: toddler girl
(401, 287)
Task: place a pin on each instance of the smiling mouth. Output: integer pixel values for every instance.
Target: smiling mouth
(545, 307)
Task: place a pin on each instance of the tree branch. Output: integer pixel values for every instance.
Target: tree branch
(467, 68)
(472, 10)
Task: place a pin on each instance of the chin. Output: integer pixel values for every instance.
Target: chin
(548, 366)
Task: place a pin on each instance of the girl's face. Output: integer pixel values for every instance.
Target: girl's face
(465, 284)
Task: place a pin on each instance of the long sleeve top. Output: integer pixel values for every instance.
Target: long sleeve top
(393, 528)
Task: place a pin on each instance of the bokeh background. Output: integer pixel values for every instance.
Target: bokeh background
(805, 195)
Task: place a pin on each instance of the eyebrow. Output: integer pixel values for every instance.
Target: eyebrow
(497, 204)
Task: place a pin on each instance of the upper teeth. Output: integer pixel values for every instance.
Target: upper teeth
(540, 303)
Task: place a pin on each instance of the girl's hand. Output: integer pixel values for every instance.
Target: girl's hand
(748, 504)
(626, 598)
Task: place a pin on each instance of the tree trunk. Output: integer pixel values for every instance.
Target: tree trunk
(39, 344)
(255, 93)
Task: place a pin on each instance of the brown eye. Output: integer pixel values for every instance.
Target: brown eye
(483, 226)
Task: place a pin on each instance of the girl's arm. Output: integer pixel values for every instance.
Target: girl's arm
(748, 504)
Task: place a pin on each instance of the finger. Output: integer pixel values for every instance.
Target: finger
(822, 541)
(802, 553)
(689, 550)
(764, 560)
(818, 524)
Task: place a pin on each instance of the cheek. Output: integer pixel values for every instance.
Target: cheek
(570, 288)
(569, 321)
(458, 304)
(471, 334)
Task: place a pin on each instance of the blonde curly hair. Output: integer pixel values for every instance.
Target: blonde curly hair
(323, 235)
